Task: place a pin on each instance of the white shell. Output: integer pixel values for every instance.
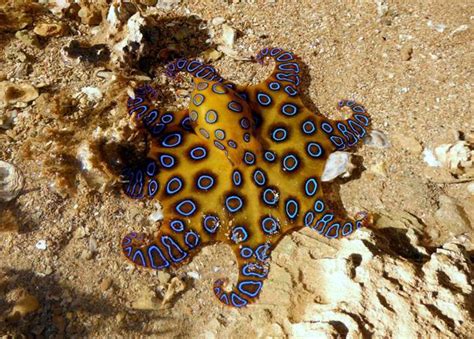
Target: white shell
(338, 164)
(11, 181)
(377, 139)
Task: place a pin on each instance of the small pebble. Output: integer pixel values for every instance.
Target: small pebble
(105, 284)
(47, 30)
(41, 245)
(163, 277)
(406, 52)
(218, 21)
(377, 139)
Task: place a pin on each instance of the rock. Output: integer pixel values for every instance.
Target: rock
(379, 168)
(406, 52)
(451, 216)
(377, 139)
(28, 38)
(105, 284)
(217, 21)
(211, 54)
(458, 158)
(41, 245)
(163, 277)
(146, 300)
(49, 29)
(148, 2)
(13, 23)
(175, 286)
(90, 16)
(11, 93)
(8, 221)
(24, 304)
(338, 164)
(11, 181)
(93, 93)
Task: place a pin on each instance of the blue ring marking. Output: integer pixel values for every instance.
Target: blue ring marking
(308, 127)
(152, 188)
(246, 252)
(204, 177)
(157, 129)
(231, 198)
(234, 106)
(350, 137)
(350, 103)
(289, 203)
(210, 70)
(288, 77)
(167, 161)
(249, 158)
(245, 123)
(198, 157)
(186, 123)
(216, 88)
(142, 257)
(219, 145)
(286, 159)
(362, 119)
(192, 68)
(186, 202)
(287, 56)
(289, 67)
(170, 191)
(347, 232)
(275, 51)
(338, 142)
(243, 95)
(193, 115)
(264, 51)
(261, 252)
(308, 218)
(128, 251)
(290, 90)
(248, 270)
(137, 101)
(328, 217)
(358, 224)
(259, 177)
(143, 109)
(326, 127)
(167, 241)
(272, 193)
(274, 226)
(202, 86)
(177, 225)
(237, 301)
(311, 191)
(275, 132)
(224, 299)
(269, 156)
(358, 109)
(149, 118)
(181, 63)
(210, 219)
(191, 239)
(356, 128)
(165, 142)
(126, 240)
(198, 99)
(289, 109)
(230, 85)
(264, 99)
(336, 226)
(151, 168)
(237, 232)
(167, 118)
(246, 137)
(154, 248)
(211, 116)
(242, 284)
(318, 206)
(220, 134)
(232, 143)
(237, 178)
(314, 153)
(274, 85)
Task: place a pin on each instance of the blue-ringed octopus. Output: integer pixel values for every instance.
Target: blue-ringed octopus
(242, 165)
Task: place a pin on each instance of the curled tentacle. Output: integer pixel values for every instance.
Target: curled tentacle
(349, 132)
(249, 285)
(141, 181)
(194, 67)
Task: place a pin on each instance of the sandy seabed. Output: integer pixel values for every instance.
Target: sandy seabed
(65, 72)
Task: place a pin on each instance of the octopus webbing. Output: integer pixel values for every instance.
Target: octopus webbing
(241, 166)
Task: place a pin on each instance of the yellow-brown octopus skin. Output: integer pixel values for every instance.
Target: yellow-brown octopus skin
(241, 166)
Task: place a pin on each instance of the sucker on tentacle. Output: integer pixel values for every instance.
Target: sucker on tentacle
(241, 165)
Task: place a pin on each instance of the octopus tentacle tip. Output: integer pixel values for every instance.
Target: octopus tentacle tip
(241, 165)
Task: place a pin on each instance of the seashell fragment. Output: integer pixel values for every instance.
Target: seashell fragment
(47, 30)
(11, 181)
(338, 164)
(377, 139)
